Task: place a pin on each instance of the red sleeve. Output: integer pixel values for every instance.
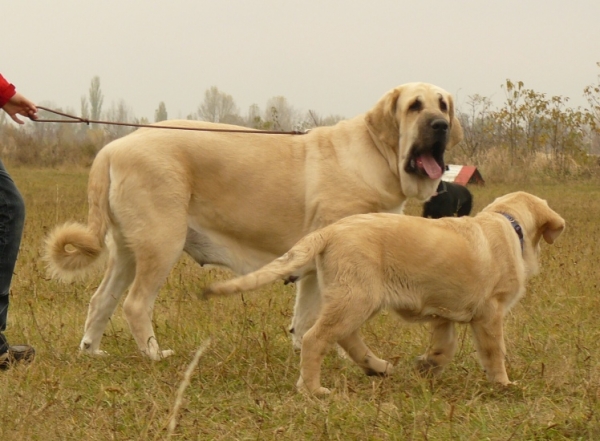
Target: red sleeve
(7, 91)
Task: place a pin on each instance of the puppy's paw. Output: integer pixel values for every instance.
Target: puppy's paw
(318, 392)
(167, 353)
(341, 353)
(385, 370)
(315, 391)
(321, 391)
(426, 366)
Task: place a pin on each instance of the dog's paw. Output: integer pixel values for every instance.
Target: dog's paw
(296, 340)
(158, 355)
(321, 391)
(384, 372)
(318, 392)
(96, 353)
(167, 353)
(426, 366)
(341, 353)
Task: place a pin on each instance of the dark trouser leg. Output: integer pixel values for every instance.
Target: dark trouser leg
(3, 344)
(12, 218)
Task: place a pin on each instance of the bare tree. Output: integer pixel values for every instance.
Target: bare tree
(255, 120)
(313, 119)
(478, 126)
(592, 94)
(96, 98)
(122, 113)
(160, 114)
(85, 107)
(218, 107)
(281, 114)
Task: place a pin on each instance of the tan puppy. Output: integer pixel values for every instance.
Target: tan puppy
(466, 270)
(242, 199)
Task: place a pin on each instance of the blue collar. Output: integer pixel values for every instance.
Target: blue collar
(516, 227)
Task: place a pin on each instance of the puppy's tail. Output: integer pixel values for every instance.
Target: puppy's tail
(73, 249)
(299, 259)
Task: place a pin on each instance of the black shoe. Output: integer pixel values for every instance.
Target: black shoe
(16, 354)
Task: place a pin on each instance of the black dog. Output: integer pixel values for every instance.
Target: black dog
(450, 200)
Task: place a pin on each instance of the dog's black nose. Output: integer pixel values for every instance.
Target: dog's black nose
(439, 125)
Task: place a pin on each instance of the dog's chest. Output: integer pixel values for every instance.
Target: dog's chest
(399, 209)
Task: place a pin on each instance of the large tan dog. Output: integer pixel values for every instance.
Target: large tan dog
(242, 199)
(467, 270)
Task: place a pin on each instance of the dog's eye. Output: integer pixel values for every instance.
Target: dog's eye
(443, 105)
(416, 106)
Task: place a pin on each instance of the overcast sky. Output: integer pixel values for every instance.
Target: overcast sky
(331, 56)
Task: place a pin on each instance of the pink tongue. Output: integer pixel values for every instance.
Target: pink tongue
(432, 168)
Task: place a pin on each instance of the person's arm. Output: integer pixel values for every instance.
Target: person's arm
(14, 103)
(7, 91)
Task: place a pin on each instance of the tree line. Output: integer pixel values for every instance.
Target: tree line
(52, 144)
(528, 127)
(530, 124)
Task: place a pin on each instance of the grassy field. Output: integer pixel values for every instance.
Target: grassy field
(243, 387)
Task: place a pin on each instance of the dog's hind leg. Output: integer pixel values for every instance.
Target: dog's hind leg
(155, 257)
(441, 350)
(119, 275)
(338, 322)
(362, 355)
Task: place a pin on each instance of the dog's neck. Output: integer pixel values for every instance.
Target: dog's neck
(516, 227)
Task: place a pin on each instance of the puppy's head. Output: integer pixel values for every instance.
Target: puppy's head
(537, 221)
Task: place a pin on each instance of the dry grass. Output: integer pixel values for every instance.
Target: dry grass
(536, 167)
(243, 387)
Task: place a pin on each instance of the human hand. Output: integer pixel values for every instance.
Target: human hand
(19, 105)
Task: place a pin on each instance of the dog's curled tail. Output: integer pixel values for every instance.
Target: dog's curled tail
(299, 259)
(73, 249)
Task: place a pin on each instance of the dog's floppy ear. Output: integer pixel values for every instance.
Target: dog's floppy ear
(456, 131)
(382, 121)
(552, 225)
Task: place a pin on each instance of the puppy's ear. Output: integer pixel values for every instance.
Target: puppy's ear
(456, 131)
(553, 226)
(382, 121)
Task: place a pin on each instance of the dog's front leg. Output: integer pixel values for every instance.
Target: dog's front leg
(306, 309)
(441, 349)
(489, 341)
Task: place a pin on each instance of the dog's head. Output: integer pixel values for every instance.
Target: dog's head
(412, 125)
(537, 220)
